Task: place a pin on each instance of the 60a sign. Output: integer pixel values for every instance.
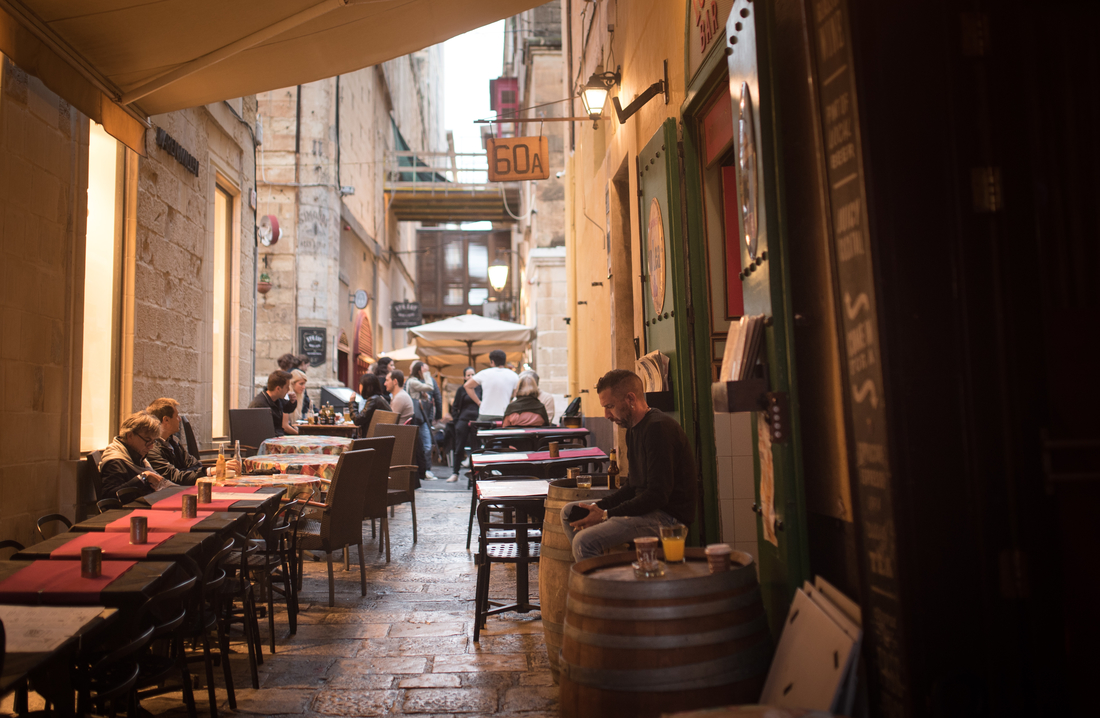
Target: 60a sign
(518, 158)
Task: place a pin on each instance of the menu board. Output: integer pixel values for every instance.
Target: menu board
(866, 404)
(313, 342)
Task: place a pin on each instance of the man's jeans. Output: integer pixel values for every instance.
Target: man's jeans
(617, 530)
(424, 433)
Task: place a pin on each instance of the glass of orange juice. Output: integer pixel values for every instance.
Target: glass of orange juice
(672, 541)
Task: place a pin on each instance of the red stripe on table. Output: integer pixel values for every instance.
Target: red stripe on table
(594, 452)
(159, 521)
(114, 545)
(175, 501)
(59, 583)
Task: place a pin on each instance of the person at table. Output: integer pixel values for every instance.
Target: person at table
(374, 399)
(427, 404)
(288, 363)
(382, 368)
(278, 386)
(298, 382)
(123, 464)
(661, 487)
(497, 384)
(545, 397)
(400, 401)
(526, 409)
(463, 411)
(167, 456)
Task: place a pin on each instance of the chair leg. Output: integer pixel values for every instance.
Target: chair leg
(331, 583)
(347, 559)
(362, 571)
(209, 661)
(223, 643)
(386, 535)
(412, 507)
(470, 525)
(373, 527)
(271, 613)
(185, 677)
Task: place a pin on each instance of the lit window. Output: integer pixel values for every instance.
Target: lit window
(479, 262)
(478, 295)
(222, 321)
(102, 285)
(453, 296)
(452, 256)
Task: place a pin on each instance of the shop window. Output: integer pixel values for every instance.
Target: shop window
(222, 321)
(102, 291)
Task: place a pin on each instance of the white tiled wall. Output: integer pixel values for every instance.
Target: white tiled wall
(736, 492)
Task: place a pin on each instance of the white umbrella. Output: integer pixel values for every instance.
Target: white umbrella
(452, 341)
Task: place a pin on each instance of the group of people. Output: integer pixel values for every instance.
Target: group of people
(285, 394)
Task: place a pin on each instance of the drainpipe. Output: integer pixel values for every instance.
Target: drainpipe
(571, 280)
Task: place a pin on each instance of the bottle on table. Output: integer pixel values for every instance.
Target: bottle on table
(219, 465)
(613, 480)
(237, 456)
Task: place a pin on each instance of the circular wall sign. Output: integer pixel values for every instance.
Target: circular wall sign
(746, 170)
(656, 238)
(360, 299)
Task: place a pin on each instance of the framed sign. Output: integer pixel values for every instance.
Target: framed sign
(518, 158)
(405, 314)
(313, 342)
(656, 257)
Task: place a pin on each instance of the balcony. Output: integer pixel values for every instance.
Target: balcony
(440, 187)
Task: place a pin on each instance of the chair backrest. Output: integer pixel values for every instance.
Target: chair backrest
(94, 459)
(342, 521)
(506, 529)
(381, 417)
(51, 518)
(251, 427)
(374, 502)
(189, 437)
(404, 442)
(126, 495)
(105, 505)
(11, 543)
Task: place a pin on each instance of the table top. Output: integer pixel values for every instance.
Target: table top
(538, 457)
(37, 633)
(128, 591)
(323, 465)
(532, 430)
(262, 498)
(305, 445)
(218, 522)
(527, 489)
(294, 484)
(178, 547)
(327, 429)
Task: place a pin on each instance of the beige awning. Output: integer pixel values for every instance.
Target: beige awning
(122, 60)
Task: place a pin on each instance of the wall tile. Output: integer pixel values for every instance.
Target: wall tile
(725, 507)
(721, 434)
(743, 479)
(725, 477)
(741, 434)
(744, 520)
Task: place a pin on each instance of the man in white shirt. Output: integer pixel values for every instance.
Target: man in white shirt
(497, 384)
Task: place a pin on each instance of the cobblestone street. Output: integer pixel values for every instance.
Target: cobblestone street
(407, 647)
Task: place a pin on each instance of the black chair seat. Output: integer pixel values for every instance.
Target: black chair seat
(505, 551)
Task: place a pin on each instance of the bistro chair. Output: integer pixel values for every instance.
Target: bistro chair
(11, 543)
(42, 523)
(381, 417)
(403, 481)
(340, 520)
(272, 566)
(251, 427)
(166, 613)
(105, 505)
(208, 457)
(238, 587)
(206, 616)
(93, 460)
(377, 495)
(498, 543)
(129, 494)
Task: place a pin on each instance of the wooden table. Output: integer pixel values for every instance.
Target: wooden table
(297, 486)
(218, 522)
(183, 548)
(305, 445)
(127, 592)
(538, 463)
(322, 465)
(528, 438)
(266, 499)
(346, 430)
(56, 631)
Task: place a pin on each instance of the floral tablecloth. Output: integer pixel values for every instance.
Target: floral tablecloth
(305, 445)
(298, 486)
(323, 465)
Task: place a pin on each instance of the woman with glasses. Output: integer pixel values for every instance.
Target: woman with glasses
(123, 463)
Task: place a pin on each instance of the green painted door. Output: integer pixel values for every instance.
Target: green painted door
(783, 554)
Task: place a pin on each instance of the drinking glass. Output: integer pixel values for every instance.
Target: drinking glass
(584, 481)
(646, 548)
(672, 541)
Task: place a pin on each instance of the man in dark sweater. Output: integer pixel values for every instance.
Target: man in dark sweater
(123, 464)
(278, 385)
(661, 487)
(167, 456)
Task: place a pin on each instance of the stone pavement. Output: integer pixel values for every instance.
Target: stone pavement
(407, 647)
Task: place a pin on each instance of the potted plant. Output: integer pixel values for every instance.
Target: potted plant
(265, 283)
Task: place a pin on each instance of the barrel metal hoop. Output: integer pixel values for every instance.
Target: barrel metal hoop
(680, 640)
(656, 590)
(552, 627)
(558, 554)
(723, 671)
(574, 604)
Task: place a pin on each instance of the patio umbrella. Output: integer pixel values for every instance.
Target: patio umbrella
(459, 341)
(402, 358)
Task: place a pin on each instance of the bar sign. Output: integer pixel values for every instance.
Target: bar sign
(518, 158)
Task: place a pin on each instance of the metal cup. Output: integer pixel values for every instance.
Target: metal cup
(204, 492)
(573, 472)
(91, 562)
(553, 447)
(139, 530)
(190, 506)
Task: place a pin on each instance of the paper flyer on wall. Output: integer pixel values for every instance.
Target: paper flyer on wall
(767, 478)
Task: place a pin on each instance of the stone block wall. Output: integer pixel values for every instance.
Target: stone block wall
(43, 211)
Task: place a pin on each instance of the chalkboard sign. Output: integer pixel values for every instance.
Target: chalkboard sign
(866, 405)
(313, 342)
(405, 314)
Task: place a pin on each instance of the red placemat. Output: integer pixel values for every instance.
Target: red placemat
(594, 452)
(59, 582)
(114, 545)
(159, 521)
(175, 501)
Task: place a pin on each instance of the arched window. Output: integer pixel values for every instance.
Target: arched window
(363, 349)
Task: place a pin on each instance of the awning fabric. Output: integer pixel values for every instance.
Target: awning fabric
(461, 340)
(156, 57)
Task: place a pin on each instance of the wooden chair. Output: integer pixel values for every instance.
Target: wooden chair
(208, 457)
(514, 539)
(403, 481)
(377, 496)
(251, 427)
(380, 417)
(340, 521)
(127, 495)
(166, 612)
(207, 616)
(94, 459)
(10, 543)
(40, 525)
(105, 505)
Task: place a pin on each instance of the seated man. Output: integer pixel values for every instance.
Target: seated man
(123, 464)
(167, 456)
(278, 385)
(661, 487)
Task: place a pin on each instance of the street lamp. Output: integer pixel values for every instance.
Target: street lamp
(594, 94)
(498, 274)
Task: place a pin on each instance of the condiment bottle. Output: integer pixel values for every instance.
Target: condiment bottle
(219, 465)
(613, 470)
(237, 456)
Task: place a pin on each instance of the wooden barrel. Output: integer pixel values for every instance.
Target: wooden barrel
(642, 647)
(555, 558)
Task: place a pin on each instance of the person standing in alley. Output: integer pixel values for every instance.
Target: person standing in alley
(497, 384)
(427, 403)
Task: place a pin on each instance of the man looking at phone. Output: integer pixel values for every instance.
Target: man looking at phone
(660, 490)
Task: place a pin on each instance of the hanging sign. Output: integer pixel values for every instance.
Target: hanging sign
(313, 342)
(518, 158)
(405, 314)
